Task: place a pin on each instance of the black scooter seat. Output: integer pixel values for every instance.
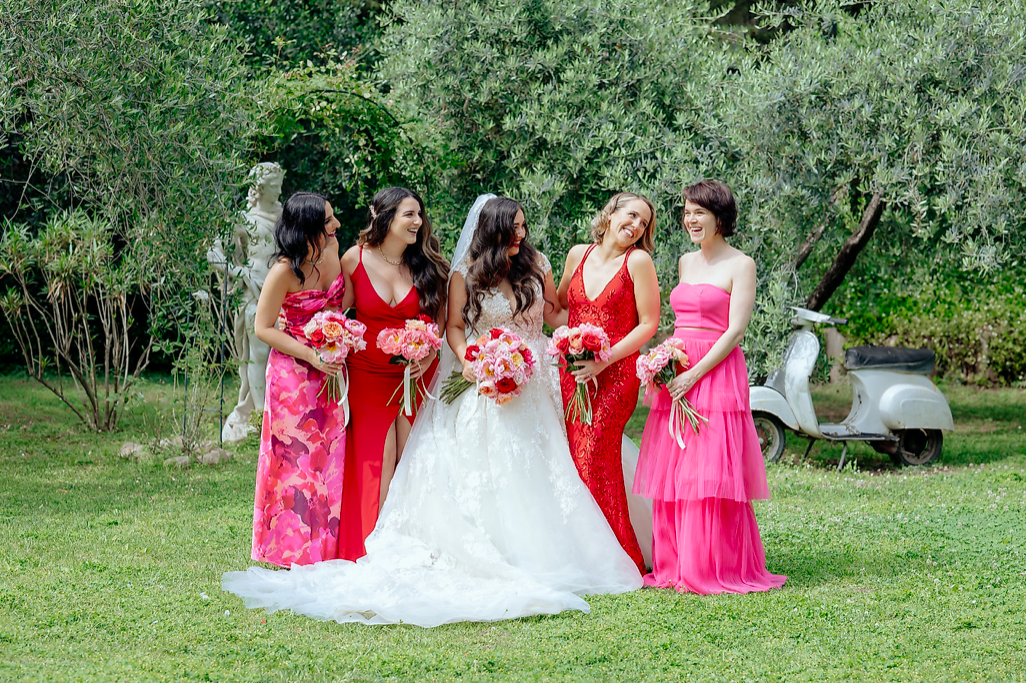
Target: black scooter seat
(916, 361)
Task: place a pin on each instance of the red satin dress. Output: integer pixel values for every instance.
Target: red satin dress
(596, 448)
(373, 408)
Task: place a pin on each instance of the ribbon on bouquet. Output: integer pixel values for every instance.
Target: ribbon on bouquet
(676, 417)
(343, 402)
(407, 400)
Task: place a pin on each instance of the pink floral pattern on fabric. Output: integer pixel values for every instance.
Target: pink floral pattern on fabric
(302, 451)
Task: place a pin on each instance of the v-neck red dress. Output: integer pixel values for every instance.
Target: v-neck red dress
(596, 447)
(373, 408)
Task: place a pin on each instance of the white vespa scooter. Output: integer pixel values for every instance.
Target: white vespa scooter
(895, 407)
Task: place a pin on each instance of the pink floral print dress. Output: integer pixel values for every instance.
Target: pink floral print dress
(302, 451)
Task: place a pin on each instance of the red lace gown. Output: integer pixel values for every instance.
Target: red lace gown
(373, 409)
(302, 450)
(596, 448)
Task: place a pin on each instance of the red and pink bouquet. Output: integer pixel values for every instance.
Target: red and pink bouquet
(334, 337)
(502, 364)
(659, 366)
(412, 343)
(571, 344)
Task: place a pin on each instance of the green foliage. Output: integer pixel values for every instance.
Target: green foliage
(889, 576)
(920, 102)
(976, 327)
(296, 31)
(337, 135)
(557, 104)
(138, 111)
(69, 304)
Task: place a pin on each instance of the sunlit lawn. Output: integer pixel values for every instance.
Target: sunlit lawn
(110, 570)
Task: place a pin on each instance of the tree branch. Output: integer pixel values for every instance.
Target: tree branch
(850, 251)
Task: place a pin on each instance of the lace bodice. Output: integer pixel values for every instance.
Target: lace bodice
(497, 312)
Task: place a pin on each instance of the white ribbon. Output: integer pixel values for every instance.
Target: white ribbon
(674, 425)
(407, 400)
(344, 401)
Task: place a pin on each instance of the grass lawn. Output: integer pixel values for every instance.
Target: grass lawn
(110, 570)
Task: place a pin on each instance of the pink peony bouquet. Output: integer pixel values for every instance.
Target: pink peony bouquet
(502, 364)
(412, 343)
(571, 344)
(659, 366)
(334, 337)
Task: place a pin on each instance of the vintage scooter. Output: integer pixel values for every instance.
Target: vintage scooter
(895, 407)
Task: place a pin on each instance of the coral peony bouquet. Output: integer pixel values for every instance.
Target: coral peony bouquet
(502, 364)
(334, 337)
(571, 344)
(412, 343)
(659, 366)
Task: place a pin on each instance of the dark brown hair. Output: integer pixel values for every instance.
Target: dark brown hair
(423, 258)
(717, 198)
(600, 223)
(300, 231)
(489, 260)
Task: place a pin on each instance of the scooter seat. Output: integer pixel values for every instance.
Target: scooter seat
(917, 361)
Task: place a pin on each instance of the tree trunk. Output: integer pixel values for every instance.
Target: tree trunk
(809, 244)
(850, 251)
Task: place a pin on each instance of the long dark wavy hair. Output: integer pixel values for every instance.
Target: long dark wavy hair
(300, 231)
(424, 260)
(490, 262)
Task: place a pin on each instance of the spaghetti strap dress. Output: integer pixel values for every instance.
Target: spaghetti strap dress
(373, 408)
(705, 536)
(302, 450)
(596, 448)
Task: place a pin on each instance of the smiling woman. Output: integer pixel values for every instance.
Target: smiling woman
(396, 272)
(302, 443)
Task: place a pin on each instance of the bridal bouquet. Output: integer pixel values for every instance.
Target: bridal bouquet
(502, 364)
(334, 337)
(571, 344)
(407, 345)
(659, 366)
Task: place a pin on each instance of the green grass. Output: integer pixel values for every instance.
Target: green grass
(893, 574)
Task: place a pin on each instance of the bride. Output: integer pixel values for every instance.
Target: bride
(486, 518)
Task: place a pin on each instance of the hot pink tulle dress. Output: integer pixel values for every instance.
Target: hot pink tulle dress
(302, 450)
(705, 537)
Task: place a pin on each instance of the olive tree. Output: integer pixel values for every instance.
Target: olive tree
(125, 126)
(906, 112)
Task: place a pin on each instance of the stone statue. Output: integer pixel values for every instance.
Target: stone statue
(246, 263)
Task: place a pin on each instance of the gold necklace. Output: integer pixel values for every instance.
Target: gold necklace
(388, 260)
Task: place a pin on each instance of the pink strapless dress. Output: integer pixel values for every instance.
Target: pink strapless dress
(705, 537)
(302, 451)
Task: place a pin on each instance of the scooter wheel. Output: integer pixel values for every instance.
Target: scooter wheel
(918, 446)
(771, 436)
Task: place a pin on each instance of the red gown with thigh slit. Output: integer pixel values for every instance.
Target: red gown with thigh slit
(373, 408)
(596, 447)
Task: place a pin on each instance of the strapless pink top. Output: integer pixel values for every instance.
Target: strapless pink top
(299, 307)
(702, 305)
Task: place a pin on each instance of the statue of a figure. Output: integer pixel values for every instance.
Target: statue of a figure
(247, 264)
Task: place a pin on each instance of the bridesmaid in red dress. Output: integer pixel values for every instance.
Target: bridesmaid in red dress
(395, 272)
(611, 283)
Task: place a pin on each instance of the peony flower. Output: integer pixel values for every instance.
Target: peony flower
(487, 389)
(506, 385)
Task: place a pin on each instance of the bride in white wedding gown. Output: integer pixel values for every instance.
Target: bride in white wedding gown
(486, 517)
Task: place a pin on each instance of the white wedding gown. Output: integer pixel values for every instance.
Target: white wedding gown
(486, 517)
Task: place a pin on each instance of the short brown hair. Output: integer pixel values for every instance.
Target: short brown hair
(600, 223)
(717, 198)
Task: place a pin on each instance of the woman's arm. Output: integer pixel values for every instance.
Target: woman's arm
(646, 298)
(742, 303)
(349, 260)
(554, 314)
(455, 328)
(573, 259)
(272, 296)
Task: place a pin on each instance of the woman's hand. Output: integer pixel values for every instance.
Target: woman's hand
(588, 371)
(417, 370)
(683, 383)
(468, 372)
(315, 360)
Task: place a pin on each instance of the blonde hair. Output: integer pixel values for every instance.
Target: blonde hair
(600, 223)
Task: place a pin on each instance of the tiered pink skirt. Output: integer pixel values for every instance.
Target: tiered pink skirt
(705, 537)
